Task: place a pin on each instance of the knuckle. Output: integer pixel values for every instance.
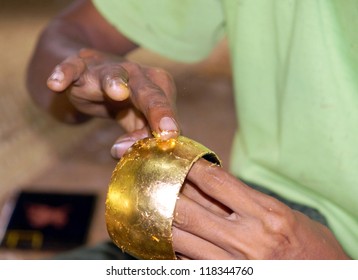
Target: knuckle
(114, 71)
(156, 71)
(274, 238)
(182, 218)
(156, 105)
(280, 220)
(149, 91)
(74, 67)
(219, 180)
(151, 98)
(132, 67)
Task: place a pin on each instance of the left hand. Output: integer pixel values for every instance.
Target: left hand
(219, 217)
(97, 84)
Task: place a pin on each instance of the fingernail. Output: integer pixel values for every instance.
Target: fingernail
(168, 124)
(118, 89)
(115, 81)
(118, 149)
(57, 75)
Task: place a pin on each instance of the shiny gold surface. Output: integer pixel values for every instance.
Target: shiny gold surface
(143, 192)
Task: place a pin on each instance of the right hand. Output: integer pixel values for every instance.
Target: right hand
(141, 99)
(218, 217)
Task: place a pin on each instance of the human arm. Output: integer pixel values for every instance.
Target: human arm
(78, 70)
(219, 217)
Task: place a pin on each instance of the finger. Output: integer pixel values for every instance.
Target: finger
(130, 119)
(198, 221)
(114, 82)
(160, 77)
(66, 73)
(153, 101)
(126, 141)
(215, 182)
(196, 248)
(194, 193)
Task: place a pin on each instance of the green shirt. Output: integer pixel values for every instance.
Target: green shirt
(295, 67)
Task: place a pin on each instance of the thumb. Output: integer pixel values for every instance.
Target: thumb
(124, 142)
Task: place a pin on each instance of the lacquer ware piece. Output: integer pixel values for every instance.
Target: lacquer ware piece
(143, 191)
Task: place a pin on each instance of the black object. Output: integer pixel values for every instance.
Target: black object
(47, 221)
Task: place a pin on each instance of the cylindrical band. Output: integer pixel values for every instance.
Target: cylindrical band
(143, 192)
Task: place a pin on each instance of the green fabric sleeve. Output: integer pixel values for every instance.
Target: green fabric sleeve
(183, 30)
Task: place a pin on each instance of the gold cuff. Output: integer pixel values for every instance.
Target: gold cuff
(143, 192)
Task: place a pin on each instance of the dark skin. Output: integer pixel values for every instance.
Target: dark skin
(79, 71)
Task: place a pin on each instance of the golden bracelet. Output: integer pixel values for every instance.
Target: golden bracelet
(143, 191)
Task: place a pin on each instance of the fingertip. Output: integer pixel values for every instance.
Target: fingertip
(166, 134)
(119, 148)
(55, 86)
(126, 141)
(117, 89)
(168, 129)
(56, 80)
(118, 92)
(124, 91)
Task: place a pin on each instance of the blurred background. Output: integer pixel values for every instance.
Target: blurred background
(40, 155)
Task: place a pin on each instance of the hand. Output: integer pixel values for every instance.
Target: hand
(141, 99)
(219, 217)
